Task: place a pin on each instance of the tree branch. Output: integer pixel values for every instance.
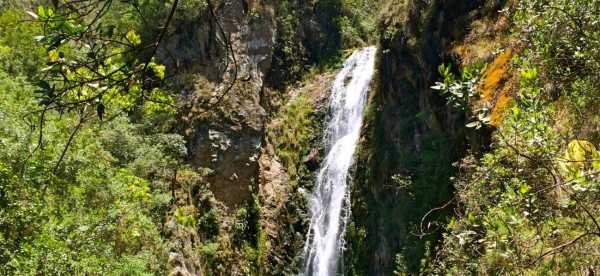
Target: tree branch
(62, 155)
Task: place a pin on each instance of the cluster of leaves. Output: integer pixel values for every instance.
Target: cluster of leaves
(564, 36)
(530, 205)
(462, 91)
(458, 91)
(95, 61)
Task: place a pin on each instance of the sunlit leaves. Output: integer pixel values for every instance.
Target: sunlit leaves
(524, 189)
(94, 63)
(159, 70)
(458, 91)
(529, 74)
(461, 91)
(186, 216)
(537, 191)
(580, 159)
(563, 34)
(53, 55)
(133, 38)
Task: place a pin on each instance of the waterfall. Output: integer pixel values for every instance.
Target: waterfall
(330, 200)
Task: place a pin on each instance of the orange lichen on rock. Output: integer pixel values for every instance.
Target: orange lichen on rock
(495, 75)
(500, 105)
(494, 86)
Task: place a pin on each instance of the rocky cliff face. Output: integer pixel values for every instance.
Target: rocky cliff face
(252, 138)
(224, 91)
(411, 138)
(236, 64)
(222, 54)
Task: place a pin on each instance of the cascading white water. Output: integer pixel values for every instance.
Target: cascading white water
(329, 202)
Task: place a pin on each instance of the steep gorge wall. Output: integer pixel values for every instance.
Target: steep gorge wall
(245, 123)
(252, 131)
(225, 55)
(235, 67)
(411, 138)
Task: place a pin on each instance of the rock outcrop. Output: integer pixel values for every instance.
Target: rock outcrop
(226, 117)
(285, 175)
(229, 59)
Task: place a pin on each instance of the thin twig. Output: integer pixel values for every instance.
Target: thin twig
(62, 155)
(422, 228)
(560, 247)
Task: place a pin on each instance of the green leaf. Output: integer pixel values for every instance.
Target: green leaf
(133, 38)
(438, 86)
(41, 12)
(69, 28)
(524, 188)
(159, 70)
(529, 74)
(53, 55)
(474, 124)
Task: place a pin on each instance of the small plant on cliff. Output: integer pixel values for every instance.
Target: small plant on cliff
(293, 133)
(461, 91)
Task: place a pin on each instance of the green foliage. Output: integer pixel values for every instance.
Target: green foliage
(562, 35)
(183, 217)
(90, 215)
(462, 91)
(19, 53)
(580, 159)
(290, 56)
(401, 267)
(530, 205)
(314, 35)
(294, 133)
(209, 223)
(75, 198)
(357, 22)
(96, 60)
(459, 92)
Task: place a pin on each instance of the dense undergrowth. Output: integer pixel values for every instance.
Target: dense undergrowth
(77, 198)
(314, 35)
(529, 205)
